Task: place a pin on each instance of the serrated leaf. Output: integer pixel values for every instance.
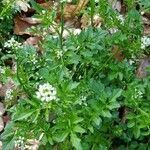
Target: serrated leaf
(23, 115)
(97, 120)
(118, 93)
(130, 124)
(106, 113)
(91, 129)
(79, 129)
(75, 141)
(61, 137)
(77, 120)
(73, 85)
(137, 132)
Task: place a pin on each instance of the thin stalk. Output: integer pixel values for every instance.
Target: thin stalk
(62, 26)
(92, 3)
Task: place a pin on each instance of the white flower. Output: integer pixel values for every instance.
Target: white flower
(65, 33)
(138, 94)
(12, 44)
(46, 93)
(2, 70)
(77, 31)
(113, 30)
(121, 19)
(33, 59)
(82, 101)
(59, 54)
(145, 42)
(8, 94)
(19, 143)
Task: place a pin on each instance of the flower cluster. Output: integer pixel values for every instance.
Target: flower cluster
(8, 94)
(139, 94)
(29, 144)
(19, 143)
(59, 54)
(2, 70)
(46, 93)
(121, 19)
(145, 42)
(12, 43)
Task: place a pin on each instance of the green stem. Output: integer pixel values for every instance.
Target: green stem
(62, 26)
(92, 3)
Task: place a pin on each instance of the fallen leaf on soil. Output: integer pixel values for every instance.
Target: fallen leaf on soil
(147, 30)
(21, 24)
(6, 118)
(117, 53)
(33, 40)
(47, 5)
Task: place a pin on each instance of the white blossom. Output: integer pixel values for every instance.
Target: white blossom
(8, 94)
(76, 31)
(113, 30)
(138, 94)
(19, 143)
(12, 43)
(59, 54)
(46, 93)
(2, 70)
(121, 19)
(145, 42)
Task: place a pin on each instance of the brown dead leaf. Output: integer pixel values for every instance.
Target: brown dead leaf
(6, 119)
(40, 1)
(147, 30)
(33, 40)
(47, 5)
(85, 21)
(21, 24)
(117, 53)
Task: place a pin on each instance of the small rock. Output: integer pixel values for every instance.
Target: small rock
(1, 145)
(2, 110)
(1, 124)
(142, 69)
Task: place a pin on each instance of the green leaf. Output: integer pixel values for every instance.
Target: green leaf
(136, 132)
(75, 141)
(116, 95)
(130, 124)
(61, 137)
(77, 120)
(72, 85)
(91, 129)
(9, 144)
(79, 129)
(106, 113)
(23, 115)
(97, 120)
